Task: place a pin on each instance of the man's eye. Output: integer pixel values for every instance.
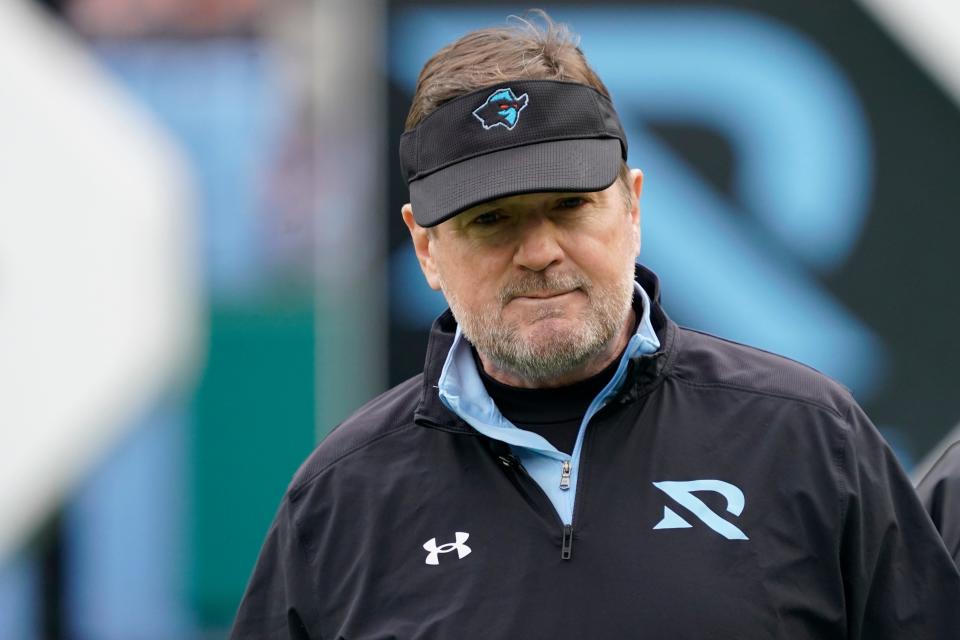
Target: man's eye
(570, 203)
(487, 219)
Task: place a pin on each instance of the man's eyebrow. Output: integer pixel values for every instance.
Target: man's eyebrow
(498, 203)
(546, 195)
(483, 207)
(489, 203)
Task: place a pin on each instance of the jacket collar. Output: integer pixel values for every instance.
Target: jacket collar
(644, 372)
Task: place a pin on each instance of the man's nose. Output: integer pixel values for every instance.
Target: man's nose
(538, 246)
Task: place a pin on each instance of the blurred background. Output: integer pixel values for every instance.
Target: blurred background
(203, 267)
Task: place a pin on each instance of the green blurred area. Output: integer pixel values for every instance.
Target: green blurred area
(254, 425)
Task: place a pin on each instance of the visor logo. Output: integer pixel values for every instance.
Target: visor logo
(433, 555)
(682, 492)
(502, 108)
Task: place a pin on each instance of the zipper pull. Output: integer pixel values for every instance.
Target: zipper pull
(567, 547)
(513, 462)
(565, 475)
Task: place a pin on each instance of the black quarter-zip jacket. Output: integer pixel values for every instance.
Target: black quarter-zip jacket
(407, 523)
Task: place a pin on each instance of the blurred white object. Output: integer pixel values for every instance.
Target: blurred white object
(928, 29)
(98, 285)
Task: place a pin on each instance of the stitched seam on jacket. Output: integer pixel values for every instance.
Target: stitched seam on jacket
(839, 457)
(733, 387)
(295, 492)
(758, 349)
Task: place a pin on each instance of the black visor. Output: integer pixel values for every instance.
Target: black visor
(518, 137)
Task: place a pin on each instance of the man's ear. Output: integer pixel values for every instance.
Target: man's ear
(636, 189)
(423, 246)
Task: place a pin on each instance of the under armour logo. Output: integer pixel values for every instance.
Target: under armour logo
(682, 492)
(434, 556)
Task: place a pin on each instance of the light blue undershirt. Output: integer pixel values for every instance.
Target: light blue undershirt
(462, 391)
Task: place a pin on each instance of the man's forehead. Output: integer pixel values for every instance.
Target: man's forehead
(526, 200)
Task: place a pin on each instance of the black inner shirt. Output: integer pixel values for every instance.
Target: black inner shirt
(553, 413)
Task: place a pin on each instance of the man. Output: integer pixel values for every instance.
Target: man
(570, 463)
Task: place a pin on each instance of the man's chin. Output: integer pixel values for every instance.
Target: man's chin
(551, 332)
(571, 306)
(546, 361)
(551, 337)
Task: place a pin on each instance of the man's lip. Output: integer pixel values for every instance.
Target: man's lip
(545, 295)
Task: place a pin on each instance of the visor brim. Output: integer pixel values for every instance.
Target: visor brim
(580, 165)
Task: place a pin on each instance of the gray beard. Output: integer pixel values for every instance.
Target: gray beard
(553, 355)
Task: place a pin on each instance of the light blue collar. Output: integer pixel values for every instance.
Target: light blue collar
(462, 390)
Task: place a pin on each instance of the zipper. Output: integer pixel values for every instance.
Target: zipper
(513, 462)
(582, 458)
(510, 460)
(567, 547)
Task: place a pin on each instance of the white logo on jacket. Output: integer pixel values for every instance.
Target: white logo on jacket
(433, 557)
(682, 492)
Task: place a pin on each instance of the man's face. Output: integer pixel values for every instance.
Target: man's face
(540, 283)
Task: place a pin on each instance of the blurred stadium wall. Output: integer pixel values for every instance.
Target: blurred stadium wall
(799, 196)
(157, 530)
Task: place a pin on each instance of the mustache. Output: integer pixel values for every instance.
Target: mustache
(537, 282)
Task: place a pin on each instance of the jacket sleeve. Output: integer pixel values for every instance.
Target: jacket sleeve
(940, 494)
(899, 580)
(280, 600)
